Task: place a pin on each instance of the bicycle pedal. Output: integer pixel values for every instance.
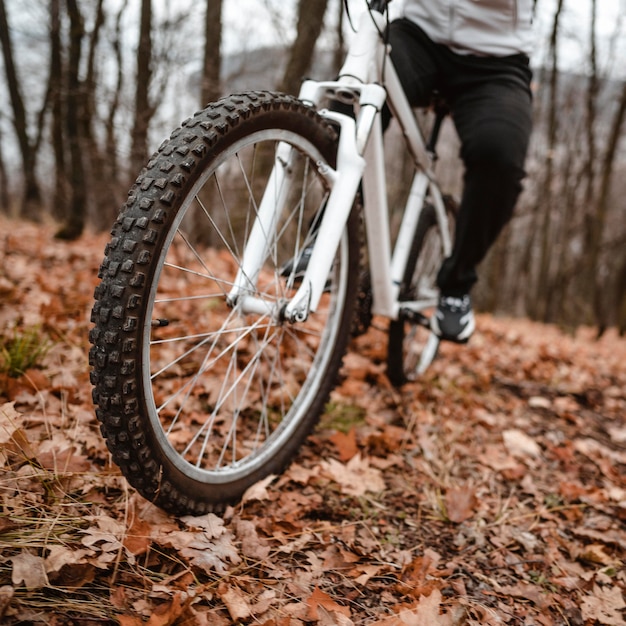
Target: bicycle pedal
(414, 317)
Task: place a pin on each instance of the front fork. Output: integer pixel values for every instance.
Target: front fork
(343, 182)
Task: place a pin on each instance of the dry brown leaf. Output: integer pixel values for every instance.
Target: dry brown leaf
(595, 553)
(461, 503)
(604, 606)
(258, 491)
(519, 444)
(6, 595)
(211, 524)
(29, 570)
(236, 603)
(138, 538)
(320, 600)
(166, 614)
(212, 555)
(59, 556)
(356, 478)
(64, 462)
(346, 444)
(252, 546)
(426, 613)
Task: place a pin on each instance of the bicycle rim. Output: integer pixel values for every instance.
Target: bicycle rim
(252, 377)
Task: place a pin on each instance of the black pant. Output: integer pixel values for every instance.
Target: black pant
(491, 105)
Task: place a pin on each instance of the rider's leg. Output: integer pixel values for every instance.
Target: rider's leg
(493, 118)
(491, 106)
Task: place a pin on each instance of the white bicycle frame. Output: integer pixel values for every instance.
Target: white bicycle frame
(369, 78)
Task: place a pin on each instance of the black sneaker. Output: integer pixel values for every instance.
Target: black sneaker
(297, 266)
(454, 319)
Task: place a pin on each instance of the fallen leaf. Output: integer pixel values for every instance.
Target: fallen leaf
(212, 555)
(426, 613)
(252, 546)
(166, 614)
(460, 503)
(519, 444)
(6, 595)
(346, 444)
(319, 599)
(356, 478)
(604, 606)
(258, 491)
(30, 570)
(212, 525)
(236, 603)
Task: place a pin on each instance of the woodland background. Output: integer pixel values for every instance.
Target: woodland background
(92, 87)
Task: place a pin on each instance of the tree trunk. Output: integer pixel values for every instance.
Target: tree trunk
(537, 304)
(593, 226)
(75, 102)
(310, 22)
(99, 186)
(60, 194)
(111, 168)
(621, 299)
(597, 227)
(31, 200)
(5, 195)
(211, 88)
(143, 109)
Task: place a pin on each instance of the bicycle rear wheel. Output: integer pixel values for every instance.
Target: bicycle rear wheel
(198, 398)
(411, 345)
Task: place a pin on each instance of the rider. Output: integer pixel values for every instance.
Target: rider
(475, 53)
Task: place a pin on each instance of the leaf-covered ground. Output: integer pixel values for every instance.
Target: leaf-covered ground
(492, 491)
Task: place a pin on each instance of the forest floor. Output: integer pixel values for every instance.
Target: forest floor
(491, 491)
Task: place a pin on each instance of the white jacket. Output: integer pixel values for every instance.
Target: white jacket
(480, 27)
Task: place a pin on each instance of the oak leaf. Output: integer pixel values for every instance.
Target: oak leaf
(356, 478)
(604, 606)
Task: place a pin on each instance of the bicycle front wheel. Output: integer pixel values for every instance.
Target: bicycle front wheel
(198, 397)
(411, 344)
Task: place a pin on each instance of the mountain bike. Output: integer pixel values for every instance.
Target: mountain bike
(214, 347)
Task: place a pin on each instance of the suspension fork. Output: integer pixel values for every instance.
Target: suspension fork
(343, 182)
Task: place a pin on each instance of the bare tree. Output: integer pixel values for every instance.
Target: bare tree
(310, 22)
(99, 187)
(57, 102)
(75, 221)
(110, 166)
(144, 109)
(5, 196)
(31, 201)
(597, 228)
(536, 301)
(211, 88)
